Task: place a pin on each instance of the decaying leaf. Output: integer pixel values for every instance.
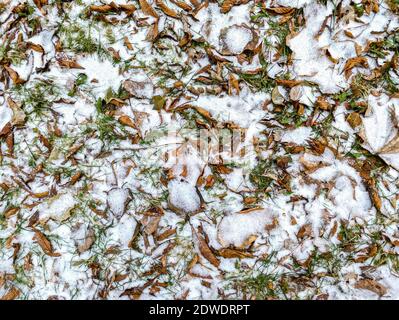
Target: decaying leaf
(165, 9)
(205, 250)
(233, 253)
(45, 244)
(19, 116)
(11, 294)
(305, 231)
(126, 121)
(88, 241)
(14, 76)
(280, 10)
(354, 62)
(148, 9)
(70, 64)
(227, 5)
(354, 119)
(371, 285)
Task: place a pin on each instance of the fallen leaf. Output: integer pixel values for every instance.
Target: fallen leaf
(14, 76)
(88, 242)
(233, 253)
(371, 285)
(12, 294)
(280, 10)
(148, 9)
(126, 121)
(127, 43)
(45, 244)
(70, 64)
(165, 9)
(205, 250)
(305, 231)
(354, 62)
(227, 5)
(354, 119)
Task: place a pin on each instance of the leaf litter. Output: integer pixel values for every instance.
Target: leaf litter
(280, 177)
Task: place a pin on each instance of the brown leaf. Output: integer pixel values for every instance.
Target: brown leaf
(205, 250)
(128, 8)
(371, 285)
(102, 9)
(40, 195)
(233, 253)
(127, 43)
(165, 9)
(233, 84)
(70, 64)
(10, 212)
(182, 5)
(222, 169)
(227, 5)
(18, 117)
(148, 9)
(88, 242)
(288, 83)
(354, 62)
(14, 76)
(354, 119)
(375, 198)
(126, 121)
(322, 104)
(40, 3)
(75, 178)
(12, 294)
(152, 33)
(392, 146)
(35, 47)
(166, 234)
(45, 244)
(152, 225)
(305, 231)
(280, 10)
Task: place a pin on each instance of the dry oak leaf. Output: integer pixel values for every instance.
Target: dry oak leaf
(371, 285)
(165, 9)
(12, 294)
(148, 9)
(45, 244)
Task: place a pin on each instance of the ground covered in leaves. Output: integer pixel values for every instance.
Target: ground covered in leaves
(191, 149)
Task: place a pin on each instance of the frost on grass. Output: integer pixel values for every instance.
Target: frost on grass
(199, 149)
